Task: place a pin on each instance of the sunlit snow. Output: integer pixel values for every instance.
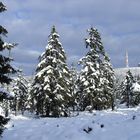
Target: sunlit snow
(122, 124)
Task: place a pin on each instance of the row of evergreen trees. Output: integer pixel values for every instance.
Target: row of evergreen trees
(124, 93)
(57, 90)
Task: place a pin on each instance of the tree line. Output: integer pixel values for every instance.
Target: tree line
(57, 90)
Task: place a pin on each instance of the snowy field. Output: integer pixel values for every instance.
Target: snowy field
(123, 124)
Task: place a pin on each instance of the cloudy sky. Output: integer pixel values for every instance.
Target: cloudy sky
(29, 23)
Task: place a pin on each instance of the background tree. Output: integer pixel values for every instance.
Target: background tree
(20, 89)
(30, 98)
(51, 87)
(127, 90)
(73, 87)
(117, 91)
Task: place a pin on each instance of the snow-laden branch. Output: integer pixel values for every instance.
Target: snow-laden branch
(5, 94)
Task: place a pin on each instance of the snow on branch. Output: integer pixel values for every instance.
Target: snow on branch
(9, 45)
(5, 94)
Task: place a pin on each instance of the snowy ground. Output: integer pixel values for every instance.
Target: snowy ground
(123, 124)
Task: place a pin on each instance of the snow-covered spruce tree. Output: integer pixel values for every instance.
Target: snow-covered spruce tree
(30, 100)
(73, 78)
(20, 90)
(108, 78)
(127, 90)
(117, 91)
(5, 68)
(92, 92)
(51, 88)
(136, 90)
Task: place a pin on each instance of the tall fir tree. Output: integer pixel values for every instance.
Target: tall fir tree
(5, 67)
(51, 87)
(91, 80)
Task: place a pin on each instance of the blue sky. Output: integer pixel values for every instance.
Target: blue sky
(29, 23)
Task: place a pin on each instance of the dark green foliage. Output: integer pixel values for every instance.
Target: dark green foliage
(2, 7)
(5, 67)
(3, 121)
(4, 95)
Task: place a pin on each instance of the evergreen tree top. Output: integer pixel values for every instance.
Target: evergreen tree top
(94, 41)
(129, 76)
(92, 31)
(53, 30)
(2, 7)
(54, 33)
